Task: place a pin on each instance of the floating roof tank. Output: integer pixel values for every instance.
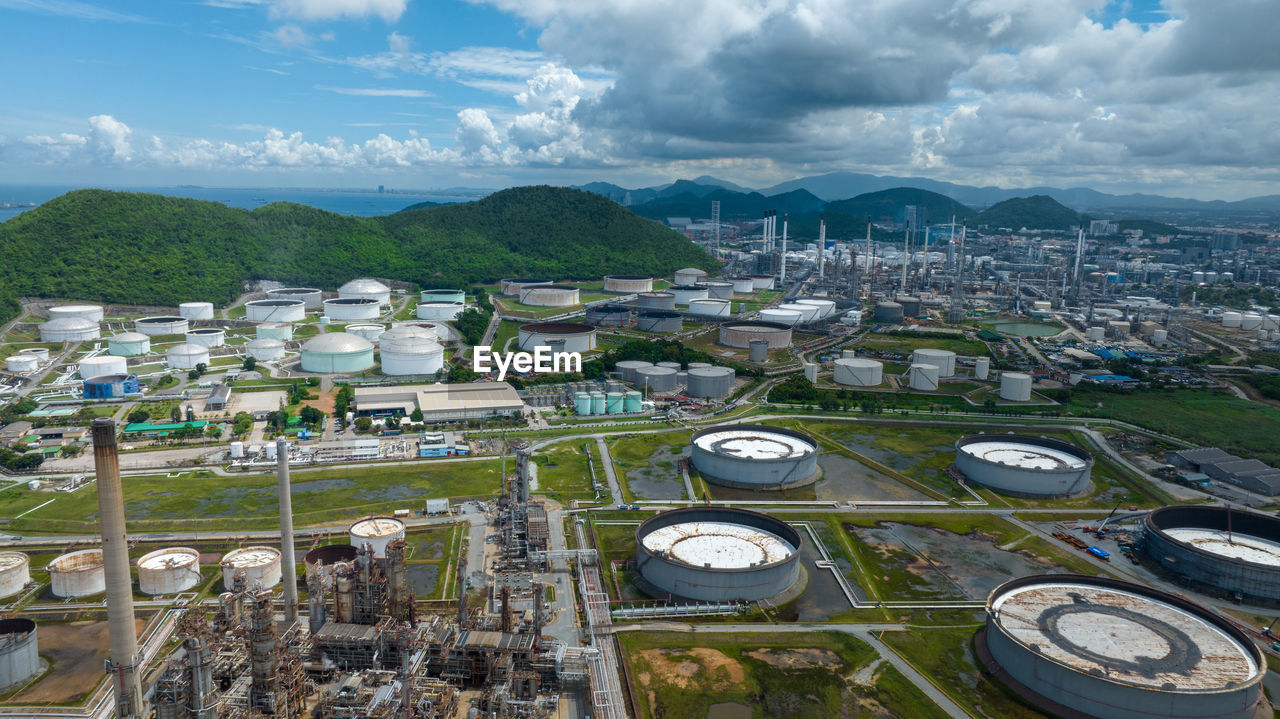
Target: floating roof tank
(169, 571)
(196, 310)
(377, 532)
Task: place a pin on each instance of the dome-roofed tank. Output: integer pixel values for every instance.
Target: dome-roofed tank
(265, 349)
(128, 344)
(187, 356)
(366, 288)
(337, 352)
(69, 329)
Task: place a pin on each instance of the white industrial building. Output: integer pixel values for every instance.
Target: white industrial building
(439, 402)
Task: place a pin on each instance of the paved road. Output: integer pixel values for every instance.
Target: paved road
(615, 489)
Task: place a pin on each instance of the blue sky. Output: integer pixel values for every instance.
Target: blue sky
(1167, 96)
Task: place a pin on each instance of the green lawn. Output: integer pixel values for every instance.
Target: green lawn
(563, 472)
(905, 344)
(506, 330)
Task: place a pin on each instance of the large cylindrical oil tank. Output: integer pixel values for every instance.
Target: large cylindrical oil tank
(1015, 386)
(349, 309)
(446, 311)
(549, 296)
(609, 316)
(599, 403)
(371, 332)
(410, 356)
(717, 289)
(689, 276)
(740, 334)
(366, 288)
(275, 310)
(162, 325)
(19, 652)
(15, 573)
(576, 338)
(1160, 336)
(758, 351)
(627, 369)
(1024, 466)
(628, 284)
(656, 379)
(789, 318)
(659, 321)
(92, 313)
(337, 352)
(826, 308)
(40, 353)
(742, 285)
(613, 403)
(168, 571)
(709, 382)
(260, 567)
(673, 365)
(324, 559)
(858, 372)
(376, 532)
(1096, 334)
(265, 349)
(808, 313)
(632, 402)
(684, 294)
(187, 356)
(447, 295)
(512, 286)
(69, 329)
(77, 574)
(755, 456)
(763, 282)
(1098, 647)
(945, 360)
(982, 367)
(910, 306)
(1232, 319)
(710, 308)
(1222, 551)
(21, 363)
(196, 310)
(717, 554)
(128, 344)
(311, 297)
(656, 300)
(923, 377)
(888, 312)
(207, 336)
(582, 403)
(1251, 322)
(282, 331)
(100, 365)
(811, 371)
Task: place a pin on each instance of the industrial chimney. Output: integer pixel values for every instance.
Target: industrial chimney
(122, 631)
(287, 567)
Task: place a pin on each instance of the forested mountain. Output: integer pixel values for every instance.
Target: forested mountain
(733, 205)
(1038, 212)
(152, 249)
(892, 203)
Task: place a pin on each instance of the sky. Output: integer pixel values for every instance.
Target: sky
(1173, 97)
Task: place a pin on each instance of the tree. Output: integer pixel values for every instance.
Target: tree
(201, 367)
(138, 416)
(242, 423)
(391, 422)
(310, 415)
(249, 364)
(213, 431)
(416, 415)
(193, 374)
(175, 413)
(363, 424)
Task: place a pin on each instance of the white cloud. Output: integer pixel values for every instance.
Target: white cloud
(72, 9)
(109, 139)
(388, 10)
(376, 91)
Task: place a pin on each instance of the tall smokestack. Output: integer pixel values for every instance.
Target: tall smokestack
(115, 556)
(287, 567)
(783, 275)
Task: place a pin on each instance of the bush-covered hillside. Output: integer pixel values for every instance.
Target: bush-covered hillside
(1038, 212)
(153, 249)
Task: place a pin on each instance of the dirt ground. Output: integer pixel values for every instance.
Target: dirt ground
(324, 401)
(800, 658)
(690, 666)
(77, 651)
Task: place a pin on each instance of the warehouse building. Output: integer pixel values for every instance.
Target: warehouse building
(1223, 466)
(147, 430)
(439, 402)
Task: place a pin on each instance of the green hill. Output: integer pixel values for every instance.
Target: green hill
(153, 249)
(1038, 212)
(891, 204)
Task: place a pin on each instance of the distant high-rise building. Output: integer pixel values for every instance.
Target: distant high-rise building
(1225, 241)
(381, 189)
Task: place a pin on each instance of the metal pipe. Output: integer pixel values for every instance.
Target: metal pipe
(115, 554)
(287, 559)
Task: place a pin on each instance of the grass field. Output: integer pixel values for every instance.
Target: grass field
(563, 473)
(202, 501)
(809, 674)
(506, 330)
(904, 345)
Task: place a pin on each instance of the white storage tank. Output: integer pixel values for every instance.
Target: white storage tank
(162, 325)
(826, 308)
(982, 367)
(410, 356)
(1251, 322)
(923, 377)
(349, 309)
(282, 331)
(656, 379)
(93, 313)
(684, 294)
(689, 276)
(21, 363)
(1015, 386)
(377, 532)
(187, 356)
(1271, 323)
(549, 296)
(945, 360)
(207, 337)
(310, 296)
(808, 313)
(168, 571)
(628, 284)
(709, 308)
(811, 371)
(101, 365)
(78, 574)
(789, 318)
(627, 368)
(758, 351)
(370, 332)
(656, 300)
(858, 372)
(1160, 336)
(275, 310)
(69, 329)
(265, 349)
(237, 450)
(259, 565)
(709, 382)
(572, 337)
(742, 285)
(337, 352)
(19, 652)
(1231, 319)
(367, 289)
(196, 310)
(129, 344)
(446, 311)
(444, 295)
(717, 290)
(1097, 334)
(40, 353)
(15, 573)
(762, 282)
